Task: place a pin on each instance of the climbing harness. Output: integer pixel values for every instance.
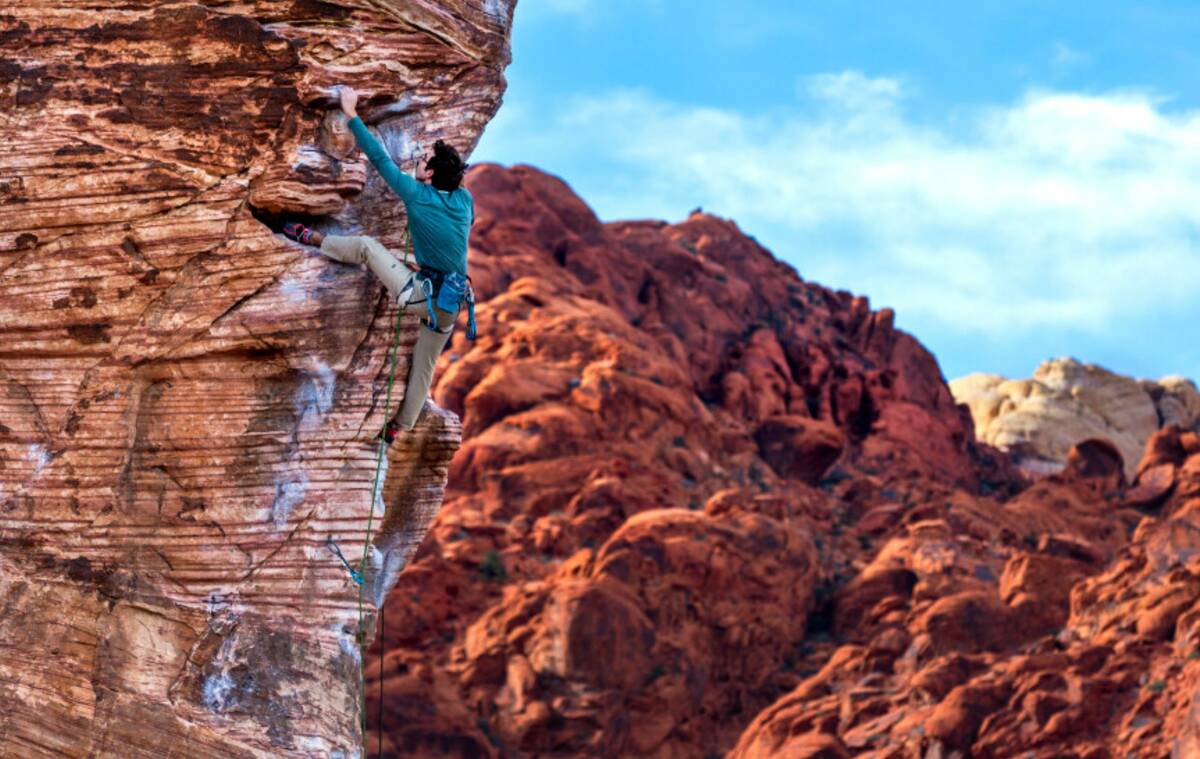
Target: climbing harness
(447, 291)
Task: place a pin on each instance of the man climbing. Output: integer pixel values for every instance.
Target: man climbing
(440, 214)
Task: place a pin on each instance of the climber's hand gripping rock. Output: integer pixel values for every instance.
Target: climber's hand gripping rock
(349, 99)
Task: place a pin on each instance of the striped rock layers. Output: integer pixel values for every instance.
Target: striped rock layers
(187, 400)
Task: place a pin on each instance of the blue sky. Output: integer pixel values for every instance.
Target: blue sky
(1019, 180)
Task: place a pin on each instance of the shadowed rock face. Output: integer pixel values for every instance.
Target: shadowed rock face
(188, 401)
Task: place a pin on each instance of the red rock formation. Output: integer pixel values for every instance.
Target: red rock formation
(626, 561)
(187, 400)
(704, 506)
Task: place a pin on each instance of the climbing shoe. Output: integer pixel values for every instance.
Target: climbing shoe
(390, 432)
(298, 232)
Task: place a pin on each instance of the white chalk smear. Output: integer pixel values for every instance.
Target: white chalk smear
(38, 456)
(288, 494)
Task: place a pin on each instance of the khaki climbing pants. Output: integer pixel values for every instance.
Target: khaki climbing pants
(396, 276)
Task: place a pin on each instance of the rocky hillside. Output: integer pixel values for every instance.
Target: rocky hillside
(1037, 420)
(705, 507)
(187, 400)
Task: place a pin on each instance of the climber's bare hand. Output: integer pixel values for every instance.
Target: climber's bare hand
(349, 99)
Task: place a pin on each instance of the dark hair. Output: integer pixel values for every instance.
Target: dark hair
(447, 167)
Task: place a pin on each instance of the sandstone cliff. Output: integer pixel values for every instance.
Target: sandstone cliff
(187, 400)
(1066, 402)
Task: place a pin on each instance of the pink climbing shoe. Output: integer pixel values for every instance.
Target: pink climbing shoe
(390, 432)
(298, 232)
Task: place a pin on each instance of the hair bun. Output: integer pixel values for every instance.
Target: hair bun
(447, 165)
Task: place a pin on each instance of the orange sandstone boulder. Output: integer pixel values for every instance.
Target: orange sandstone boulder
(799, 448)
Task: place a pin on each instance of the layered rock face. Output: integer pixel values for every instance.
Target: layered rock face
(703, 507)
(188, 401)
(1066, 402)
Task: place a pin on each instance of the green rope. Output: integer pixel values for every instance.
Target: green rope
(362, 566)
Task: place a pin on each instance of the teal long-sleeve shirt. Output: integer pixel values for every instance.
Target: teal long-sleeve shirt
(440, 222)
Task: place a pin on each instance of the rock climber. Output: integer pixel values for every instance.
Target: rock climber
(440, 213)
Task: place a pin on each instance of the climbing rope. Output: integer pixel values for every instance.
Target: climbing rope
(359, 575)
(362, 566)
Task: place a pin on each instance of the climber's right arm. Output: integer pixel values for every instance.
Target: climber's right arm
(402, 184)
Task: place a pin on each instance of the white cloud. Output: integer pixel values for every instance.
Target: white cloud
(1058, 211)
(853, 89)
(1065, 56)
